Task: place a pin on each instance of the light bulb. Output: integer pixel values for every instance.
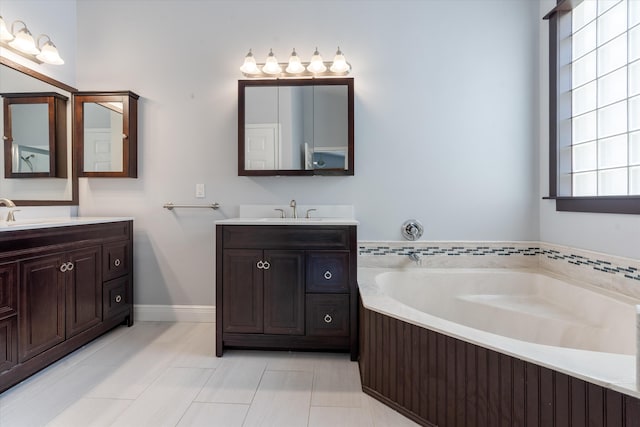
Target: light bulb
(340, 64)
(24, 42)
(49, 53)
(316, 66)
(271, 66)
(295, 66)
(249, 66)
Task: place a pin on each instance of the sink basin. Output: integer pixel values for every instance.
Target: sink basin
(33, 222)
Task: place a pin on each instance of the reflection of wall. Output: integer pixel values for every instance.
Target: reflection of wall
(30, 125)
(329, 106)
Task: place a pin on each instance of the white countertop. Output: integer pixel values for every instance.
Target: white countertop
(287, 221)
(34, 223)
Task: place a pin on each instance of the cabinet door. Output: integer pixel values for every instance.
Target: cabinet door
(8, 290)
(8, 344)
(284, 292)
(242, 309)
(42, 299)
(84, 290)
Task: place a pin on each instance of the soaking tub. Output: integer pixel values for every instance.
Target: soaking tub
(489, 346)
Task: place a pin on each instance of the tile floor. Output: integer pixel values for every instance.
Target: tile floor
(166, 374)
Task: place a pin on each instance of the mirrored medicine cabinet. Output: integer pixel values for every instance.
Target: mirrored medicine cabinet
(106, 134)
(295, 127)
(35, 134)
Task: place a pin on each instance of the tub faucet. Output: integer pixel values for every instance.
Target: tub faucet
(292, 204)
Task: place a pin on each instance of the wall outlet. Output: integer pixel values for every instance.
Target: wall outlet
(200, 191)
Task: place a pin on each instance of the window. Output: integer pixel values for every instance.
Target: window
(595, 105)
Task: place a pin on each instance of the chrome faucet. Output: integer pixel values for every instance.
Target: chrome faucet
(292, 204)
(8, 203)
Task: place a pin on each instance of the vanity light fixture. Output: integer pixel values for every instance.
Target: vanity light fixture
(23, 43)
(316, 67)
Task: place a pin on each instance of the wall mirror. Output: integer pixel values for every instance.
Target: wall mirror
(295, 127)
(105, 126)
(35, 135)
(59, 186)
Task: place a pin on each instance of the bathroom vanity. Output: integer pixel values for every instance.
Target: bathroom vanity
(286, 284)
(63, 282)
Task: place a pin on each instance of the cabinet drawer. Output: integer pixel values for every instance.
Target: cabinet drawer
(327, 315)
(115, 297)
(8, 291)
(115, 259)
(285, 237)
(327, 272)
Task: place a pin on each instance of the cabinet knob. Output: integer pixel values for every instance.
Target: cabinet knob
(118, 298)
(328, 318)
(267, 265)
(70, 266)
(117, 262)
(328, 275)
(260, 265)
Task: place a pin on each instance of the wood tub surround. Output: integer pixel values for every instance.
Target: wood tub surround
(437, 380)
(61, 287)
(289, 287)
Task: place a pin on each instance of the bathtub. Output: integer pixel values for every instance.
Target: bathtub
(569, 331)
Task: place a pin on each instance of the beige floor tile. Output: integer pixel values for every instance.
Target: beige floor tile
(336, 382)
(234, 381)
(282, 400)
(166, 400)
(91, 413)
(339, 417)
(199, 350)
(214, 415)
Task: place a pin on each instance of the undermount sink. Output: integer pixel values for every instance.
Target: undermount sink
(288, 221)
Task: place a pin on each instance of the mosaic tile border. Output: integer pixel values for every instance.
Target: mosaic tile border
(432, 250)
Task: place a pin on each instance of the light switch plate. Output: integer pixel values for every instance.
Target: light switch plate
(200, 191)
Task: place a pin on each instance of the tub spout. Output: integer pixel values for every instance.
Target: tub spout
(415, 257)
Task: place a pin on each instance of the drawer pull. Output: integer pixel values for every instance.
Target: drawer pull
(267, 265)
(328, 318)
(260, 265)
(67, 266)
(328, 275)
(117, 262)
(118, 298)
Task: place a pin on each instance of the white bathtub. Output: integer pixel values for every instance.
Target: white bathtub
(579, 330)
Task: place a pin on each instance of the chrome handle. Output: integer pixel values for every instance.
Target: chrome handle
(281, 212)
(260, 265)
(309, 211)
(267, 265)
(71, 266)
(64, 267)
(117, 262)
(118, 298)
(328, 318)
(327, 275)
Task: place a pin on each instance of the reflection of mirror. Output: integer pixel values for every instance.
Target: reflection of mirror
(106, 133)
(16, 78)
(35, 135)
(295, 127)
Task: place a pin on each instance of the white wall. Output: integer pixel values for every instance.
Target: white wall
(608, 233)
(445, 116)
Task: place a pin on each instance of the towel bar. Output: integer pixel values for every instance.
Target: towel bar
(170, 206)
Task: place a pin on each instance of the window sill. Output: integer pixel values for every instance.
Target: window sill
(602, 204)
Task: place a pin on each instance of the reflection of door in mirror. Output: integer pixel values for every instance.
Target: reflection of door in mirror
(103, 136)
(35, 135)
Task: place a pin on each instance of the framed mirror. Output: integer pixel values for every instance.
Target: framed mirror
(60, 187)
(106, 134)
(295, 127)
(35, 135)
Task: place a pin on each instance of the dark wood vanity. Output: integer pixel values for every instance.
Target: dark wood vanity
(288, 287)
(61, 287)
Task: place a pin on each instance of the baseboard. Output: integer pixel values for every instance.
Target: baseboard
(174, 313)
